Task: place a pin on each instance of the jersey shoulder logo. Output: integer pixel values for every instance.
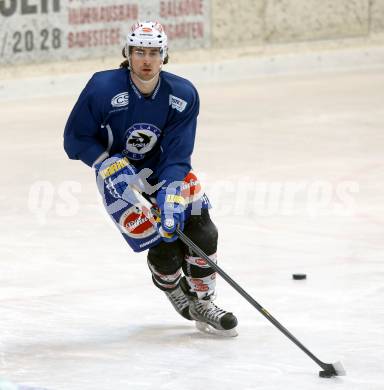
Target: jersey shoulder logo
(177, 103)
(120, 100)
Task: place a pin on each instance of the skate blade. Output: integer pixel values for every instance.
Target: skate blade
(206, 328)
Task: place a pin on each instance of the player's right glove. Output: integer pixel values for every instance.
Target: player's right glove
(115, 174)
(172, 207)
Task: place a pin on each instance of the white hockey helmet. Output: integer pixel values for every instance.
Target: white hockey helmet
(147, 34)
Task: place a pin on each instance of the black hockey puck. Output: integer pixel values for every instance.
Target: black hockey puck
(299, 276)
(326, 374)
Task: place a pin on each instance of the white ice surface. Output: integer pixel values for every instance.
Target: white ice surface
(78, 310)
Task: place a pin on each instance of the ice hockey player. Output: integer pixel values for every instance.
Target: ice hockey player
(136, 127)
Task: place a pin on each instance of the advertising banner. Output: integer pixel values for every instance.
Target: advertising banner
(52, 30)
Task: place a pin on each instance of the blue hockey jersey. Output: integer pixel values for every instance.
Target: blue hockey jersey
(157, 132)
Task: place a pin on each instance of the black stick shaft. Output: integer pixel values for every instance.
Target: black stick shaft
(186, 240)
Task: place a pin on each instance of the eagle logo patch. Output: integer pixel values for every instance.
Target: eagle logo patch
(140, 139)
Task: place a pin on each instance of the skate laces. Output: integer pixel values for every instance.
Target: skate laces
(178, 297)
(209, 310)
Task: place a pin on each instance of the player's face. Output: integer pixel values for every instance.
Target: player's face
(146, 61)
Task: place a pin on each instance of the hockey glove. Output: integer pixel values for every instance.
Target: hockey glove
(115, 174)
(172, 206)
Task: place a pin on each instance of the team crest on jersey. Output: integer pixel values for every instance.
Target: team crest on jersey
(177, 103)
(135, 224)
(120, 100)
(140, 139)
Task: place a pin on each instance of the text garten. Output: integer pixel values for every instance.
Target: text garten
(186, 30)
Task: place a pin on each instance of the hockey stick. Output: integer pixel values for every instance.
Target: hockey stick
(329, 370)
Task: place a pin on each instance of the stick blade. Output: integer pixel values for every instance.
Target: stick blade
(330, 370)
(340, 370)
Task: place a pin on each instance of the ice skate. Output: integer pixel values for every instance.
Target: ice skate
(211, 319)
(179, 301)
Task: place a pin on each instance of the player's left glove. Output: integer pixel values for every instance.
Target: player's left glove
(115, 174)
(172, 207)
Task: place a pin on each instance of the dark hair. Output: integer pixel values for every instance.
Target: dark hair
(125, 63)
